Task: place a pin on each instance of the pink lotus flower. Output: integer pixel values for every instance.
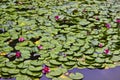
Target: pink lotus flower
(18, 54)
(57, 17)
(100, 45)
(40, 47)
(45, 69)
(108, 25)
(117, 20)
(21, 39)
(107, 51)
(97, 18)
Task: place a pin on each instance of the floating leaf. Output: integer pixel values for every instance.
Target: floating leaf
(54, 62)
(55, 73)
(32, 68)
(76, 76)
(36, 63)
(70, 63)
(62, 59)
(115, 58)
(99, 60)
(23, 77)
(13, 71)
(84, 22)
(10, 65)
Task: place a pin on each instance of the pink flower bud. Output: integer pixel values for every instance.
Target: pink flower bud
(18, 54)
(57, 17)
(100, 45)
(117, 20)
(21, 39)
(107, 51)
(40, 47)
(97, 18)
(108, 25)
(45, 69)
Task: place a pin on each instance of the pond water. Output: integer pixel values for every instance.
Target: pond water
(93, 74)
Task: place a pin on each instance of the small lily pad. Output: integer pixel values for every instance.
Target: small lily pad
(13, 71)
(76, 76)
(54, 62)
(99, 60)
(32, 68)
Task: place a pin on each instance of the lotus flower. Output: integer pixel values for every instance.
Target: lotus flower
(96, 17)
(45, 69)
(21, 39)
(100, 45)
(107, 51)
(57, 17)
(117, 20)
(40, 47)
(18, 54)
(108, 25)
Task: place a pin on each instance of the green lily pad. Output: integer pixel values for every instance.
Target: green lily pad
(89, 58)
(54, 62)
(2, 65)
(34, 69)
(76, 76)
(84, 22)
(13, 71)
(55, 73)
(25, 43)
(5, 74)
(62, 59)
(115, 58)
(116, 52)
(96, 65)
(20, 65)
(70, 63)
(25, 54)
(77, 54)
(89, 51)
(83, 63)
(99, 60)
(23, 77)
(10, 65)
(69, 53)
(5, 70)
(35, 74)
(24, 71)
(36, 63)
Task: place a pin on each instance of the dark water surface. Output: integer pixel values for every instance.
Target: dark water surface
(93, 74)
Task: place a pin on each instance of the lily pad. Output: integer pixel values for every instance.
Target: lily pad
(34, 69)
(55, 73)
(99, 60)
(76, 76)
(54, 62)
